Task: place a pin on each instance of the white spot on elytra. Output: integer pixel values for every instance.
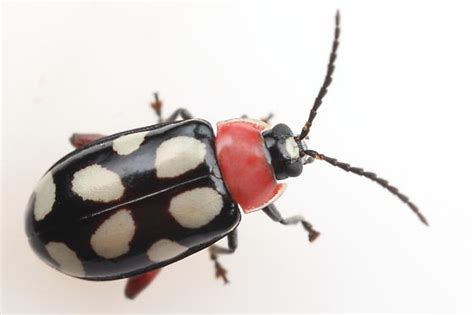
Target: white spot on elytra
(164, 250)
(292, 148)
(178, 155)
(97, 184)
(66, 258)
(195, 208)
(45, 195)
(127, 144)
(113, 237)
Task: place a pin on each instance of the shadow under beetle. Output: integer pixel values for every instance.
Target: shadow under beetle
(126, 205)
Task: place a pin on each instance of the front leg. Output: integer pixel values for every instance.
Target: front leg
(272, 211)
(216, 250)
(265, 119)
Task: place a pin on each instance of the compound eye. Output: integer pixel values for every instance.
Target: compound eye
(292, 148)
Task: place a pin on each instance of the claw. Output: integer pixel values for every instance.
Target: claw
(312, 233)
(221, 273)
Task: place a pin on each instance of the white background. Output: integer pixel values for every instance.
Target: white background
(401, 104)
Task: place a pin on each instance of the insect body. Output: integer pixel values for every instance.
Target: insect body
(126, 205)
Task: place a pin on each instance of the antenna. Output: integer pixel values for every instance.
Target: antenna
(372, 176)
(327, 81)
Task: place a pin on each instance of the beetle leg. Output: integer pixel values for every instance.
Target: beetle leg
(184, 113)
(81, 139)
(264, 119)
(157, 104)
(272, 211)
(216, 250)
(267, 118)
(137, 284)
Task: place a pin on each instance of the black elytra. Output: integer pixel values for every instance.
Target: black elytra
(73, 220)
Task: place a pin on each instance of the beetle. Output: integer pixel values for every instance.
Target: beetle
(126, 205)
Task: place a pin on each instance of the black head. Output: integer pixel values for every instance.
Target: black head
(284, 151)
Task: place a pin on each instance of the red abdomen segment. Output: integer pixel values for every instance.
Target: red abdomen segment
(245, 163)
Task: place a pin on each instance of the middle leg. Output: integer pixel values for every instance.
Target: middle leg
(216, 250)
(157, 104)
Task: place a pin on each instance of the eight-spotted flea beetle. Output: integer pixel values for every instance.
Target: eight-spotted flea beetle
(125, 205)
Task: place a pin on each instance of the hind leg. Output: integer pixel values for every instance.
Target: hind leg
(137, 284)
(81, 139)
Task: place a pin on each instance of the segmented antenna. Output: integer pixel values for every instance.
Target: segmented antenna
(327, 81)
(372, 176)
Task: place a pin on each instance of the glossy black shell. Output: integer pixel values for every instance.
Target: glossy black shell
(73, 220)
